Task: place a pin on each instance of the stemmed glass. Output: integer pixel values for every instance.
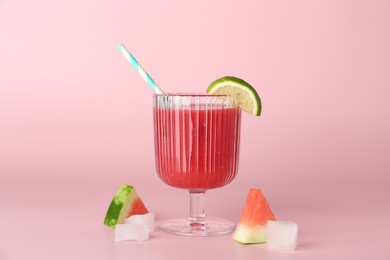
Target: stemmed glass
(197, 138)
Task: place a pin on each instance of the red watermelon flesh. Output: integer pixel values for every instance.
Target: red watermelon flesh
(254, 217)
(137, 207)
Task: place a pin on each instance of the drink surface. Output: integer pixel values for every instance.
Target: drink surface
(197, 149)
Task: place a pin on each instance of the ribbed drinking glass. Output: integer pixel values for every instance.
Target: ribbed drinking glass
(197, 139)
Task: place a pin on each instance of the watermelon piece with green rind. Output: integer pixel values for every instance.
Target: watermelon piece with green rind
(254, 217)
(125, 204)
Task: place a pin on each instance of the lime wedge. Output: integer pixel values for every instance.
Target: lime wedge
(247, 96)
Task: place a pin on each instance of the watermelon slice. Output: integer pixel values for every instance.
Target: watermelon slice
(254, 217)
(125, 203)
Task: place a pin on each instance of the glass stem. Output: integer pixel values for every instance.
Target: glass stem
(197, 209)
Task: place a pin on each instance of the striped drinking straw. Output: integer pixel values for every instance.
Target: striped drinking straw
(139, 69)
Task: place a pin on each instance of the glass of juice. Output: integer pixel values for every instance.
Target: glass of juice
(197, 140)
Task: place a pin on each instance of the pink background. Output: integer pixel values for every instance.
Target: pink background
(76, 122)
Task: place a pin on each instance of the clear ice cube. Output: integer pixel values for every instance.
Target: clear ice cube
(282, 235)
(147, 219)
(138, 232)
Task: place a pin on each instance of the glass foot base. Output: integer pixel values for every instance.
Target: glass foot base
(209, 227)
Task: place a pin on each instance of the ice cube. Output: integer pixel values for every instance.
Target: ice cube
(138, 232)
(147, 219)
(282, 235)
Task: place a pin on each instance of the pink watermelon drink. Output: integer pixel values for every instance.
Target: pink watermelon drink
(197, 147)
(197, 143)
(197, 138)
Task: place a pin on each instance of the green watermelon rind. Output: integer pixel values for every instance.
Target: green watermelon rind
(246, 235)
(120, 205)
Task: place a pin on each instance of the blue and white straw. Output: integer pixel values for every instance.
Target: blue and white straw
(139, 69)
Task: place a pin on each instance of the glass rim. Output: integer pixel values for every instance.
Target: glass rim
(190, 94)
